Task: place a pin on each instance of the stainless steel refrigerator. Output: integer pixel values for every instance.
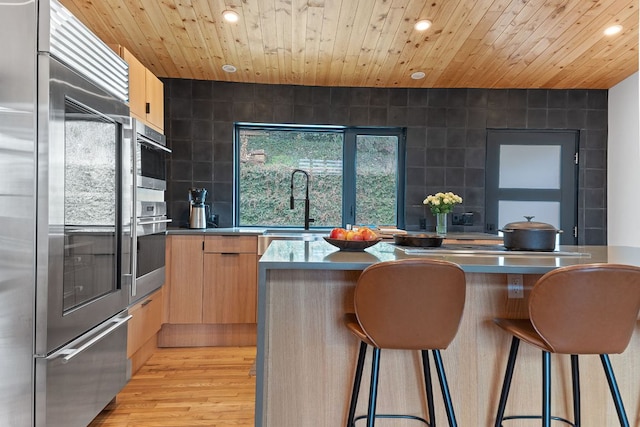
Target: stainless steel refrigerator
(65, 218)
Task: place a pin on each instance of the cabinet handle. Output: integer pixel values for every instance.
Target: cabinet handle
(146, 302)
(229, 253)
(147, 108)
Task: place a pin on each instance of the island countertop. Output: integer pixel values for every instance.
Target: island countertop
(291, 254)
(306, 357)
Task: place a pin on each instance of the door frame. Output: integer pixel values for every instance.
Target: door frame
(567, 195)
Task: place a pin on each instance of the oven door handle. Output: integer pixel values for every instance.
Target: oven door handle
(144, 140)
(155, 221)
(70, 353)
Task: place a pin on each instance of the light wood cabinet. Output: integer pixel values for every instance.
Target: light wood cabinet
(212, 283)
(213, 279)
(146, 92)
(185, 278)
(154, 105)
(230, 279)
(142, 328)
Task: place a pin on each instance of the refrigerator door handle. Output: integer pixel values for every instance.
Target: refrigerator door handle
(70, 353)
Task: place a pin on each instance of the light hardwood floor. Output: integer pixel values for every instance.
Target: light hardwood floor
(182, 387)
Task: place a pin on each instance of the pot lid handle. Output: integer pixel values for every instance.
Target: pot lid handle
(529, 218)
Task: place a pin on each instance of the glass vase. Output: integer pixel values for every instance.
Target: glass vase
(441, 223)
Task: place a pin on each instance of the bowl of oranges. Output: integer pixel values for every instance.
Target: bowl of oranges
(354, 240)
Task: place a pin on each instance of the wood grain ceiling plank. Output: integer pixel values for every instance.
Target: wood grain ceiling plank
(299, 15)
(193, 25)
(426, 57)
(472, 71)
(356, 43)
(230, 42)
(463, 21)
(547, 32)
(283, 26)
(188, 58)
(359, 27)
(473, 48)
(600, 60)
(328, 38)
(346, 17)
(500, 43)
(152, 20)
(208, 21)
(571, 46)
(537, 32)
(267, 13)
(405, 39)
(389, 28)
(251, 31)
(312, 43)
(135, 33)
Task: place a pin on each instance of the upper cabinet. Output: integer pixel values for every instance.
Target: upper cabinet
(146, 92)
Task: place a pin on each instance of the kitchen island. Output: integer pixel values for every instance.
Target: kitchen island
(306, 358)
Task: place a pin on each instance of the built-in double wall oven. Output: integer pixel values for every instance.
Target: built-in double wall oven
(150, 153)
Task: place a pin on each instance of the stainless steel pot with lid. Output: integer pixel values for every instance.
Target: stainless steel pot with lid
(530, 235)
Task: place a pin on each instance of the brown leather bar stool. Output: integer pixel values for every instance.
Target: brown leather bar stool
(577, 310)
(411, 304)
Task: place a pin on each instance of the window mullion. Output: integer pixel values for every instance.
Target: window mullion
(349, 178)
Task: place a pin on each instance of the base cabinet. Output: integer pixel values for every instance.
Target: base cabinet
(143, 328)
(212, 291)
(186, 261)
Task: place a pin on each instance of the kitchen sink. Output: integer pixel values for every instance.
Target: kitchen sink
(270, 235)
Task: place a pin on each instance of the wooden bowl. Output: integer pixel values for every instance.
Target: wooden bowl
(351, 245)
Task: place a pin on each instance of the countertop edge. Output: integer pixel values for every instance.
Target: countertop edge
(288, 255)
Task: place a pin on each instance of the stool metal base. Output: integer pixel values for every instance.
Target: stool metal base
(373, 391)
(391, 416)
(546, 416)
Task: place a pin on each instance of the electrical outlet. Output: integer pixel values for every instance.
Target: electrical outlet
(457, 219)
(515, 287)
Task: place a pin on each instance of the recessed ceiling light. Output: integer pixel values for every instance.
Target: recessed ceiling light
(422, 25)
(229, 68)
(612, 30)
(230, 16)
(418, 75)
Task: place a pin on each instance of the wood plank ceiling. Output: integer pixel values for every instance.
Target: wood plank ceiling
(372, 43)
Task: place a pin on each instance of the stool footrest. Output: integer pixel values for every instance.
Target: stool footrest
(393, 416)
(537, 417)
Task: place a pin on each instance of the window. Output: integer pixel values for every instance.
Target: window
(354, 175)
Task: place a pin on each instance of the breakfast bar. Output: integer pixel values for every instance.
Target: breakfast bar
(306, 357)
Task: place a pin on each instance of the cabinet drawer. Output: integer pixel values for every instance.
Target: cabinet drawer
(231, 244)
(145, 323)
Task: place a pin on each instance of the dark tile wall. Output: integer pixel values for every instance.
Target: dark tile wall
(446, 137)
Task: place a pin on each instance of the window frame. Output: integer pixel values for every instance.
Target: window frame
(350, 134)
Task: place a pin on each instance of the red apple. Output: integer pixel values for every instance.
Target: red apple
(368, 234)
(338, 233)
(357, 236)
